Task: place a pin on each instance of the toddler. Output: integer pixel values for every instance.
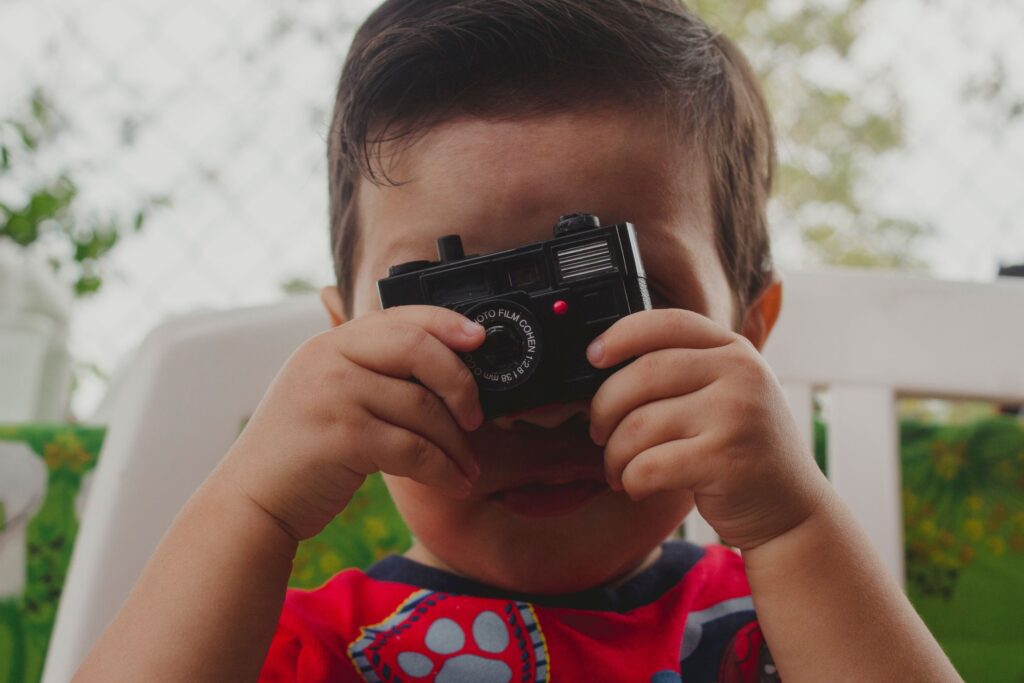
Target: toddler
(540, 546)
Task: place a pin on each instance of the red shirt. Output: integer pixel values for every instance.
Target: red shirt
(688, 617)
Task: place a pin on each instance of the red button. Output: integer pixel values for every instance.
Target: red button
(560, 307)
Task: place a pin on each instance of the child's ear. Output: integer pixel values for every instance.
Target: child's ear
(331, 298)
(761, 316)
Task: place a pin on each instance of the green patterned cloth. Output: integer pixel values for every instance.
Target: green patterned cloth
(68, 454)
(963, 499)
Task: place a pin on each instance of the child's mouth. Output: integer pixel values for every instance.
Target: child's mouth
(549, 500)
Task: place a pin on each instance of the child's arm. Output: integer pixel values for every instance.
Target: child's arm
(830, 610)
(208, 602)
(699, 410)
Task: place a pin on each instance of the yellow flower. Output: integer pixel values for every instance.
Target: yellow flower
(974, 503)
(66, 451)
(996, 546)
(974, 528)
(330, 562)
(941, 559)
(927, 527)
(374, 528)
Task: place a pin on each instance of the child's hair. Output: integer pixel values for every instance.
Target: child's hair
(416, 63)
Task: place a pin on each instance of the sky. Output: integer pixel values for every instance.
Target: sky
(224, 108)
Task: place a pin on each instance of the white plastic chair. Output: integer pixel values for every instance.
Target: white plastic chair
(171, 416)
(866, 337)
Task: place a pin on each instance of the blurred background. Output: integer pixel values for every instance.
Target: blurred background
(160, 157)
(164, 157)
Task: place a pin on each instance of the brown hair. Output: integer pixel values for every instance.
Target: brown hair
(416, 63)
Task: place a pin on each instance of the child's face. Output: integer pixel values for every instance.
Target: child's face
(501, 184)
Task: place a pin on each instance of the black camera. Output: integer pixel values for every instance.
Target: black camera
(541, 305)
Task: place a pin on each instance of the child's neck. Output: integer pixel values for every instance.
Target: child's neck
(419, 553)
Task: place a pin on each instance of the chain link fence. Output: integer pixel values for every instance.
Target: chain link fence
(216, 114)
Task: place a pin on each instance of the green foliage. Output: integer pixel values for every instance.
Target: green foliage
(829, 135)
(963, 507)
(366, 530)
(297, 286)
(962, 497)
(48, 218)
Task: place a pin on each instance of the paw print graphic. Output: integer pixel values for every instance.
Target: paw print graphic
(449, 639)
(445, 640)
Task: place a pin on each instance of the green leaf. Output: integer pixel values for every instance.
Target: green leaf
(140, 218)
(295, 286)
(20, 229)
(44, 204)
(87, 285)
(27, 138)
(40, 108)
(5, 158)
(95, 244)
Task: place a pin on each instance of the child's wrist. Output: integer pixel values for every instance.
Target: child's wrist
(271, 530)
(807, 506)
(815, 530)
(298, 507)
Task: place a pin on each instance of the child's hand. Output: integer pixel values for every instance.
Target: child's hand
(343, 407)
(700, 410)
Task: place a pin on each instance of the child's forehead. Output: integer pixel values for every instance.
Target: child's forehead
(501, 184)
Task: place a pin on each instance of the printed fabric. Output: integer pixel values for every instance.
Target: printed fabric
(687, 618)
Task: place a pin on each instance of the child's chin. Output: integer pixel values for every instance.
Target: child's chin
(559, 555)
(566, 573)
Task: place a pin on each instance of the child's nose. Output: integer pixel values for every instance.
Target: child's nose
(547, 416)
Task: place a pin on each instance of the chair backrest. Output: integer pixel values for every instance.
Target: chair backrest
(171, 415)
(867, 338)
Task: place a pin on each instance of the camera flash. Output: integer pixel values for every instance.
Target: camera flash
(560, 307)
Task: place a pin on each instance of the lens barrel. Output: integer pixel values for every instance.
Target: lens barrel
(512, 347)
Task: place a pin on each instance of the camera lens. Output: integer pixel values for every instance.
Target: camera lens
(502, 347)
(511, 350)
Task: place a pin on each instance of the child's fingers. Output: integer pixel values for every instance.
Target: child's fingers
(680, 464)
(416, 408)
(661, 328)
(453, 329)
(680, 417)
(404, 350)
(404, 453)
(651, 377)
